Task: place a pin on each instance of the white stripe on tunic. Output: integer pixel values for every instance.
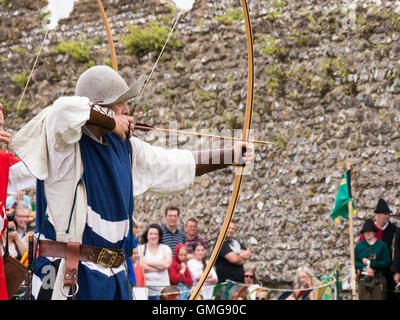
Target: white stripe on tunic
(108, 230)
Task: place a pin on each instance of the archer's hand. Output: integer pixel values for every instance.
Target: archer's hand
(247, 156)
(123, 126)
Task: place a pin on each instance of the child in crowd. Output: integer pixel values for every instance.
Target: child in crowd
(196, 267)
(179, 273)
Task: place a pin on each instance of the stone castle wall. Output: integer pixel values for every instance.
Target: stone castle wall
(327, 90)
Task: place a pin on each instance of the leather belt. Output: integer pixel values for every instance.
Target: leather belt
(110, 258)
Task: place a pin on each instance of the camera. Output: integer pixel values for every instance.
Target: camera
(10, 228)
(10, 217)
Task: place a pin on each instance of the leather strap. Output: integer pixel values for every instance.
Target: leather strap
(71, 264)
(110, 258)
(99, 119)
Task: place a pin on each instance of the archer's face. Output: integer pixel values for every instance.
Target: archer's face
(120, 108)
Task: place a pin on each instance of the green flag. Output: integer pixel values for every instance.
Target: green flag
(342, 199)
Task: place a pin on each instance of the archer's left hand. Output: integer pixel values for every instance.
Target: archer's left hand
(247, 156)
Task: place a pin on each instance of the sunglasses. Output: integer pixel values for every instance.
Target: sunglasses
(248, 276)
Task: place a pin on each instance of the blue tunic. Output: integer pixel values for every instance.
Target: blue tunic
(108, 181)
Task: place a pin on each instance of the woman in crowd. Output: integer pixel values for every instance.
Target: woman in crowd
(250, 281)
(372, 260)
(157, 259)
(196, 267)
(306, 284)
(179, 273)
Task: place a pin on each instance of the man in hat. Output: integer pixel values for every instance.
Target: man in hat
(89, 168)
(372, 261)
(385, 232)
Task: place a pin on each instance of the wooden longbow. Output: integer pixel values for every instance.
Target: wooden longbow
(245, 135)
(239, 175)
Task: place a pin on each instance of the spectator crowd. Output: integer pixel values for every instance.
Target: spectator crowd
(167, 262)
(174, 257)
(173, 262)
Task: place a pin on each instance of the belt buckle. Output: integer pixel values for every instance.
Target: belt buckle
(106, 252)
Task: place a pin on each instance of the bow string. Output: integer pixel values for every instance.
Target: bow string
(245, 132)
(245, 135)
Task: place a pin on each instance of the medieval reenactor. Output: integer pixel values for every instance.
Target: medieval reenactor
(385, 231)
(89, 168)
(372, 262)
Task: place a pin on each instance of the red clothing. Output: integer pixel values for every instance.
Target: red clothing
(6, 161)
(378, 234)
(139, 275)
(175, 276)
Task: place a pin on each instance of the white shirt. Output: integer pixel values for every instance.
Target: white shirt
(49, 146)
(156, 281)
(196, 269)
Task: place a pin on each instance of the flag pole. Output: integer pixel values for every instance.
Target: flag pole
(353, 268)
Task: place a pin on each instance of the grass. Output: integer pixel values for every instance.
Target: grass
(270, 47)
(77, 49)
(6, 105)
(142, 41)
(276, 81)
(20, 79)
(232, 121)
(274, 14)
(231, 16)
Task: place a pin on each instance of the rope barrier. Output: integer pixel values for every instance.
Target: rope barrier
(180, 289)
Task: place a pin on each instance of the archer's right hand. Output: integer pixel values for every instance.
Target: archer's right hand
(123, 126)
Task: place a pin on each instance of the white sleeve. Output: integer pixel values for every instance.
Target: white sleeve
(49, 138)
(20, 178)
(160, 170)
(65, 120)
(63, 129)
